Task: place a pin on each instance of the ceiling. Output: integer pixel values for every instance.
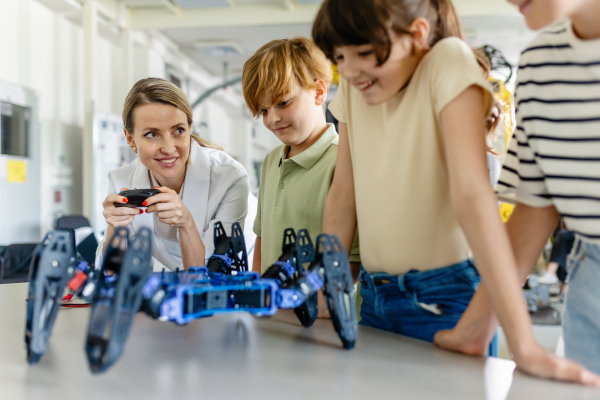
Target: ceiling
(250, 39)
(508, 33)
(252, 23)
(192, 4)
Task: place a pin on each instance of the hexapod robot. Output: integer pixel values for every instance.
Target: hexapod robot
(114, 291)
(125, 284)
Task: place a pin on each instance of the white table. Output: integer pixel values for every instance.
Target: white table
(238, 356)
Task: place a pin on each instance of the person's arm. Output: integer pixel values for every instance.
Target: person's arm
(339, 216)
(475, 206)
(116, 216)
(256, 261)
(355, 269)
(528, 230)
(171, 210)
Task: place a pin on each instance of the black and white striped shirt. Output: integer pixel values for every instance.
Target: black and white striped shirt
(554, 157)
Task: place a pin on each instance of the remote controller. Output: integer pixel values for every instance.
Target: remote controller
(136, 197)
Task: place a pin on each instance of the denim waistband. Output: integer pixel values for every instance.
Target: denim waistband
(582, 247)
(463, 270)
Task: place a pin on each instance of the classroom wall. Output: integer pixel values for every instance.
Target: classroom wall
(42, 49)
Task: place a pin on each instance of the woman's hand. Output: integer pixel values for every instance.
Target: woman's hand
(170, 209)
(118, 216)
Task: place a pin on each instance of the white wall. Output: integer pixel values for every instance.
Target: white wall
(39, 50)
(43, 50)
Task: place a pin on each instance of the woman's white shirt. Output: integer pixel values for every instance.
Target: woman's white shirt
(168, 234)
(216, 188)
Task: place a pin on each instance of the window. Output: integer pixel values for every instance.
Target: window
(14, 129)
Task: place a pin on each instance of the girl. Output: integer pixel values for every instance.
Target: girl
(411, 171)
(200, 184)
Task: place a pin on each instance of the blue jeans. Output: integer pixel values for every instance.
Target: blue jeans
(419, 303)
(581, 320)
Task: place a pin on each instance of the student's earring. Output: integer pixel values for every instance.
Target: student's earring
(134, 149)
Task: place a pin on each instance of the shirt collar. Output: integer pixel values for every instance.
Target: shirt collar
(309, 157)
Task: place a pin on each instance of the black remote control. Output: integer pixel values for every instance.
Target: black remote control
(136, 197)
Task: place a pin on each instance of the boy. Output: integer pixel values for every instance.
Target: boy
(286, 82)
(553, 170)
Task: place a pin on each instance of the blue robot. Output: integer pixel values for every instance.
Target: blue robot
(125, 284)
(225, 286)
(114, 290)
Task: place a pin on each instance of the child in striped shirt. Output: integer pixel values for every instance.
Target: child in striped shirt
(553, 170)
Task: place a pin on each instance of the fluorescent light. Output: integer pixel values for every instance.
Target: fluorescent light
(219, 48)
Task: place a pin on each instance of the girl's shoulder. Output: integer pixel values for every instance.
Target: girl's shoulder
(448, 49)
(450, 59)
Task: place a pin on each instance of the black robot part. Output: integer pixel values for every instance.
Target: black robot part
(305, 254)
(51, 269)
(230, 252)
(304, 249)
(119, 297)
(278, 270)
(338, 288)
(136, 197)
(295, 252)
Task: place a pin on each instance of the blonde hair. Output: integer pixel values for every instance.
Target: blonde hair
(278, 66)
(157, 90)
(493, 119)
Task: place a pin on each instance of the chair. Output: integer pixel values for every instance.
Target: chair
(71, 222)
(15, 262)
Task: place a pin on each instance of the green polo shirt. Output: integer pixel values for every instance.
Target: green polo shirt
(292, 194)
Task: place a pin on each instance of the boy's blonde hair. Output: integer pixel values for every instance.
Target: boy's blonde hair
(278, 66)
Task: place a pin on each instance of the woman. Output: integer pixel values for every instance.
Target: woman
(200, 184)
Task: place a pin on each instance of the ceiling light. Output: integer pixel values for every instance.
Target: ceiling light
(219, 48)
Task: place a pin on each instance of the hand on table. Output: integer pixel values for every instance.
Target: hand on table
(533, 359)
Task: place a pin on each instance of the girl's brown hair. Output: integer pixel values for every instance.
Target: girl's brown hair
(157, 90)
(357, 22)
